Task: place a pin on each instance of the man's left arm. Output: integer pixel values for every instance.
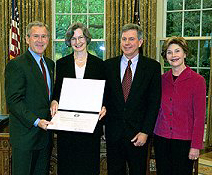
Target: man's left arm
(153, 100)
(153, 105)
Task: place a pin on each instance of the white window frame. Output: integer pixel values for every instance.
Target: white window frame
(54, 40)
(161, 27)
(161, 33)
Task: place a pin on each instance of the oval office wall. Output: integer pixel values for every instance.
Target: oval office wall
(117, 13)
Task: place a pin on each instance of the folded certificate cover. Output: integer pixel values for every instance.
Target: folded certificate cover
(82, 94)
(79, 105)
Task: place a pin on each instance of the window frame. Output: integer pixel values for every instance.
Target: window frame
(161, 36)
(161, 29)
(54, 40)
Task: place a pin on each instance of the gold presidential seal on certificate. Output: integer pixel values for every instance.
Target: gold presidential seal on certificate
(79, 105)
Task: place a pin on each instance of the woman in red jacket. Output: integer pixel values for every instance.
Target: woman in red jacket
(179, 128)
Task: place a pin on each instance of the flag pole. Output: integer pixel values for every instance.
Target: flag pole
(137, 20)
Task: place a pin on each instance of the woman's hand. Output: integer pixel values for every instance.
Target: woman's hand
(102, 112)
(193, 154)
(54, 107)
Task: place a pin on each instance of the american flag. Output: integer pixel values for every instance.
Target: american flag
(14, 44)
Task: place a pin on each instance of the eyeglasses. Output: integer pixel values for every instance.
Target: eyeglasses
(80, 38)
(36, 36)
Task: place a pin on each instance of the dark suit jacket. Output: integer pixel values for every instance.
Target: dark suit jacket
(27, 100)
(139, 112)
(65, 68)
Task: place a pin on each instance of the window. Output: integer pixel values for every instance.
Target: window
(191, 19)
(89, 12)
(188, 18)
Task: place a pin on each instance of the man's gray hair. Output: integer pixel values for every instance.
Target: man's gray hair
(38, 24)
(132, 26)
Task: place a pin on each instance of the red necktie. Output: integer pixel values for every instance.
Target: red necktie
(127, 81)
(44, 74)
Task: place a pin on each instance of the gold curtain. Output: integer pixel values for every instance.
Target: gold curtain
(118, 13)
(208, 140)
(121, 12)
(29, 10)
(148, 12)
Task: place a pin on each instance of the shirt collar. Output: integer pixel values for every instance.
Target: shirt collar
(35, 56)
(134, 59)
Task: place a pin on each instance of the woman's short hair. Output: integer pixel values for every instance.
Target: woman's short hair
(36, 24)
(174, 40)
(72, 28)
(132, 26)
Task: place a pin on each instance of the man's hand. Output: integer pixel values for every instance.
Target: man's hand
(140, 139)
(44, 123)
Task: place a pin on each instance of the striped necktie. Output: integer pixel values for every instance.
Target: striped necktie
(44, 74)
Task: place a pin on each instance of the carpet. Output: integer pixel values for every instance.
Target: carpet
(205, 164)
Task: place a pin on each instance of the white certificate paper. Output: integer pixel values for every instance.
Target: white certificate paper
(79, 105)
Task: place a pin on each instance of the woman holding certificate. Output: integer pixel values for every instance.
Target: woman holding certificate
(78, 153)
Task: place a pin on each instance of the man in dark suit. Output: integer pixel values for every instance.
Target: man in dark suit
(28, 88)
(132, 102)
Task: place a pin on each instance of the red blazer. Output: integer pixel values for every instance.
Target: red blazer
(183, 108)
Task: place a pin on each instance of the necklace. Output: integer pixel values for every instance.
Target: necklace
(80, 58)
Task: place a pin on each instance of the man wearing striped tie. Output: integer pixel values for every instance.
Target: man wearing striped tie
(28, 89)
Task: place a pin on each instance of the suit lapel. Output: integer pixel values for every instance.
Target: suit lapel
(70, 66)
(117, 80)
(38, 76)
(137, 80)
(88, 68)
(51, 73)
